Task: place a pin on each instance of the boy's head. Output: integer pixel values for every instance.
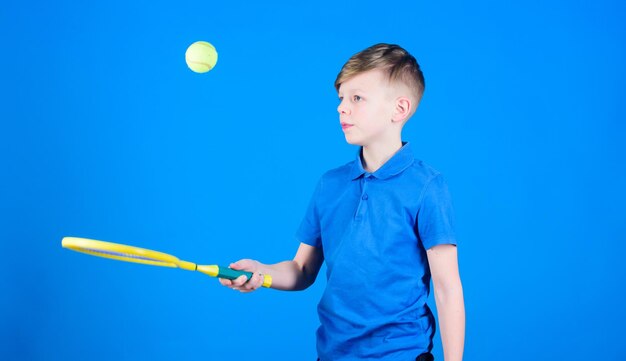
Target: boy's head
(379, 89)
(400, 67)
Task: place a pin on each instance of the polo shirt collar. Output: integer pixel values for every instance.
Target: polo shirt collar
(398, 163)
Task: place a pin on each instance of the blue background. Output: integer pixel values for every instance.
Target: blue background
(105, 133)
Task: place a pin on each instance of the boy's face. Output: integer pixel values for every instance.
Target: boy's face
(366, 108)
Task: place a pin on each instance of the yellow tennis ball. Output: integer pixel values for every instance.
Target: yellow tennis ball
(201, 56)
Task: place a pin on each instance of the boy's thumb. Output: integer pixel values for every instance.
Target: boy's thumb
(239, 265)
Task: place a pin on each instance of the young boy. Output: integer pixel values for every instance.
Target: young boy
(382, 223)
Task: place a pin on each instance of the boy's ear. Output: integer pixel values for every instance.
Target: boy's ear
(402, 109)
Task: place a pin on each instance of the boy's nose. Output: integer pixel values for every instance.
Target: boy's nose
(342, 109)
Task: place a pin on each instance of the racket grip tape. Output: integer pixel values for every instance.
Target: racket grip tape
(231, 274)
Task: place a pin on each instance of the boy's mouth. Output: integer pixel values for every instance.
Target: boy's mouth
(345, 126)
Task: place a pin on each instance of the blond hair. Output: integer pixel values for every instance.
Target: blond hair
(399, 65)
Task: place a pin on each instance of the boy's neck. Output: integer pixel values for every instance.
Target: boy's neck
(376, 155)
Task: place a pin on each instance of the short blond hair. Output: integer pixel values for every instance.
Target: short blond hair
(399, 65)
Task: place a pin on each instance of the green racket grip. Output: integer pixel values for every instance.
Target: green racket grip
(231, 274)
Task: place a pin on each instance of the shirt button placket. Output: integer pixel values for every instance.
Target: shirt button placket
(362, 208)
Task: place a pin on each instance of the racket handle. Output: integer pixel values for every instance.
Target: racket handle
(231, 274)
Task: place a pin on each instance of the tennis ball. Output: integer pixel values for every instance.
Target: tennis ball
(201, 56)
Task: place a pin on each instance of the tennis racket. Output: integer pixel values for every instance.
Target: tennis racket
(122, 252)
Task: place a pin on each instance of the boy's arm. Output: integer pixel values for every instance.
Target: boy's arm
(293, 275)
(444, 269)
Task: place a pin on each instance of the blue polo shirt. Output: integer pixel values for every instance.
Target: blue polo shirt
(374, 230)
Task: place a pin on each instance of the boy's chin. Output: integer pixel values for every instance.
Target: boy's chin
(352, 141)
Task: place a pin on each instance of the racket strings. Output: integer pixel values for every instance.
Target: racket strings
(99, 252)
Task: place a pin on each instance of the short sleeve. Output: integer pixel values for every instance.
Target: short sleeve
(435, 218)
(309, 231)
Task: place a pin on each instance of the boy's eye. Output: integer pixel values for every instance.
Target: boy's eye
(356, 98)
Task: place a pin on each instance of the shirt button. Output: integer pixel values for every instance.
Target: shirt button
(364, 197)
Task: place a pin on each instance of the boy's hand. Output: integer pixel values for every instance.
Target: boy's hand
(242, 283)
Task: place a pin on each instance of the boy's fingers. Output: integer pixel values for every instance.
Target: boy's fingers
(225, 282)
(236, 283)
(254, 283)
(250, 284)
(240, 281)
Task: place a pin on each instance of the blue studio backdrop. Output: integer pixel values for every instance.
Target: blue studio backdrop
(105, 133)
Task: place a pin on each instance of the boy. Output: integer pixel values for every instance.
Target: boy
(383, 225)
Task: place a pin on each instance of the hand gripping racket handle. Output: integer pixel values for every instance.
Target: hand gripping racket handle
(231, 274)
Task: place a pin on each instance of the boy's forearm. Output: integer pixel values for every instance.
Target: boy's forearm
(287, 276)
(451, 311)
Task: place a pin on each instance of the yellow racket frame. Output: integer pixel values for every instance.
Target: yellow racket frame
(122, 252)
